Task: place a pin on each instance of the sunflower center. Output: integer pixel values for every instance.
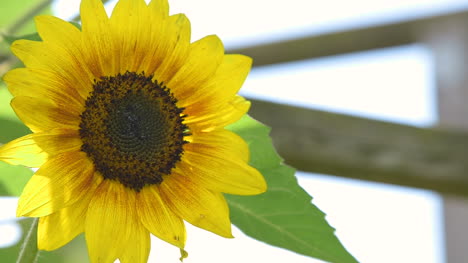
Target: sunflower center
(132, 129)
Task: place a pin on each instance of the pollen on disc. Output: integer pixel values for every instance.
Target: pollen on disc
(132, 129)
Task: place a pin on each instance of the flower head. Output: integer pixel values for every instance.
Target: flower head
(128, 122)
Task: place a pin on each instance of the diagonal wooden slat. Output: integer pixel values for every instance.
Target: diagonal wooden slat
(376, 151)
(355, 40)
(346, 146)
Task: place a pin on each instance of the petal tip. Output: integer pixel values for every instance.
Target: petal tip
(20, 211)
(260, 184)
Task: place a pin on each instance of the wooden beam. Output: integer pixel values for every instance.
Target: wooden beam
(336, 43)
(346, 146)
(448, 42)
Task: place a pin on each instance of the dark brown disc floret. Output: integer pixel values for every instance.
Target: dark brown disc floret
(132, 129)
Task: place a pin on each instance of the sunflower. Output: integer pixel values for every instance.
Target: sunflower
(128, 130)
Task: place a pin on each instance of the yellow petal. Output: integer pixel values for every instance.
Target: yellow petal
(221, 88)
(219, 117)
(196, 204)
(139, 252)
(55, 58)
(58, 141)
(33, 149)
(169, 42)
(53, 29)
(159, 8)
(60, 182)
(220, 142)
(223, 175)
(63, 36)
(159, 219)
(43, 84)
(42, 115)
(112, 227)
(204, 59)
(61, 227)
(23, 151)
(133, 34)
(171, 51)
(97, 39)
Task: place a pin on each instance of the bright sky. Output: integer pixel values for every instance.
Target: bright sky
(377, 223)
(393, 84)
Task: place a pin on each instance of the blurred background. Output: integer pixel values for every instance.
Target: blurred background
(366, 99)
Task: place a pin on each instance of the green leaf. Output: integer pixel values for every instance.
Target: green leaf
(10, 39)
(13, 178)
(73, 252)
(11, 126)
(76, 24)
(283, 216)
(28, 252)
(11, 130)
(5, 109)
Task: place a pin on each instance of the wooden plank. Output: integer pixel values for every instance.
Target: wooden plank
(449, 42)
(455, 211)
(346, 146)
(336, 43)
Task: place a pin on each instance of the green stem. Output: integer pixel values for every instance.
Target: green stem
(29, 252)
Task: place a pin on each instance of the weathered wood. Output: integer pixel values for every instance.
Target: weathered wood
(376, 151)
(448, 41)
(337, 43)
(346, 146)
(455, 214)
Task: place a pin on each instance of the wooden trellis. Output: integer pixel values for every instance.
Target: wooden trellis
(434, 158)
